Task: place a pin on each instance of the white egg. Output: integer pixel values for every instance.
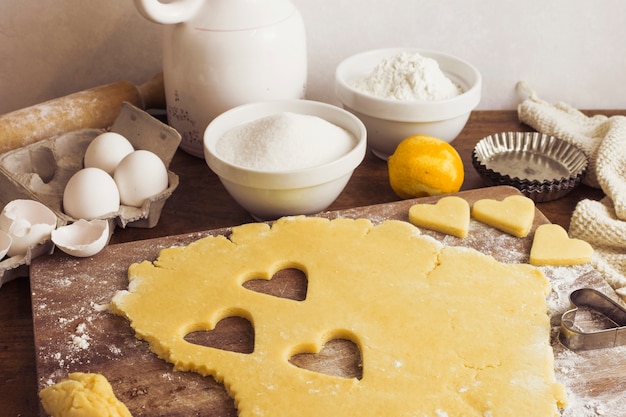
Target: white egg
(90, 193)
(27, 222)
(82, 238)
(106, 151)
(139, 176)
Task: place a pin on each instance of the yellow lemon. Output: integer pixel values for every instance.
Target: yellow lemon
(424, 165)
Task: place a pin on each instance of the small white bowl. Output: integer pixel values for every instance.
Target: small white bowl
(269, 195)
(388, 121)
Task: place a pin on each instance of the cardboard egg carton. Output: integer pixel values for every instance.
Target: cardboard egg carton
(41, 170)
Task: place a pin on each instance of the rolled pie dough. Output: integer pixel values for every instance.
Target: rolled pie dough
(442, 331)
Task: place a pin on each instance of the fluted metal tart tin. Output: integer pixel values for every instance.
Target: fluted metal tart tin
(542, 167)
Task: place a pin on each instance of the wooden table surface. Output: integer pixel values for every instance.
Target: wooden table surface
(201, 203)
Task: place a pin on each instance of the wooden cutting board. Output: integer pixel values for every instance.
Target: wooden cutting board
(75, 333)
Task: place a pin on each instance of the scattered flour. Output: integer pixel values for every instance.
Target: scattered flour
(283, 142)
(81, 339)
(81, 326)
(584, 400)
(408, 76)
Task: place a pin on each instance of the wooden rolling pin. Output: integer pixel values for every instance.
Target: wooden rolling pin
(96, 107)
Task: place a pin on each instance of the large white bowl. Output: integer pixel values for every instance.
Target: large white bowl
(269, 195)
(388, 121)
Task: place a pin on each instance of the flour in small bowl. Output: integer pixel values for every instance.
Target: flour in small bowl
(284, 142)
(406, 77)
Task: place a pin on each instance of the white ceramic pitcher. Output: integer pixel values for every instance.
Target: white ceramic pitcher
(218, 54)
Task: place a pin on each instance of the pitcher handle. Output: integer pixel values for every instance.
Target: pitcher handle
(168, 13)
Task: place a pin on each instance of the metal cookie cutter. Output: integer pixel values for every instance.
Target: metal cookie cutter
(596, 322)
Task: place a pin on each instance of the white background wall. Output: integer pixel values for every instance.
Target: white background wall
(567, 50)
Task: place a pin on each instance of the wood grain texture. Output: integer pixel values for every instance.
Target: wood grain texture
(68, 296)
(201, 203)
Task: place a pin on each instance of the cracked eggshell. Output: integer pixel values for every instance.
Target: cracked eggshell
(28, 223)
(5, 243)
(82, 238)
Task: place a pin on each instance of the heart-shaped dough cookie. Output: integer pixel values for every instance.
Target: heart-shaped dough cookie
(552, 246)
(513, 215)
(449, 215)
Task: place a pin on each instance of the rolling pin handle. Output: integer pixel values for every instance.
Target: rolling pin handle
(152, 93)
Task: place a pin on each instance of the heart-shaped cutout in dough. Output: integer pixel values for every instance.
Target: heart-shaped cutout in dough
(289, 283)
(513, 215)
(338, 357)
(552, 246)
(449, 215)
(234, 334)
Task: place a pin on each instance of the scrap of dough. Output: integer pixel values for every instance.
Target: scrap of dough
(552, 246)
(441, 330)
(513, 215)
(449, 215)
(82, 395)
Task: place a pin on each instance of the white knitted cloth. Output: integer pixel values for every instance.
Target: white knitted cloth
(603, 139)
